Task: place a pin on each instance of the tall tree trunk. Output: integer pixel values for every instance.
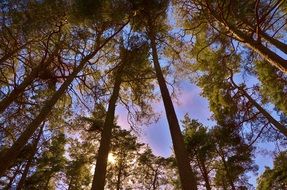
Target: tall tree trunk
(275, 42)
(273, 58)
(46, 186)
(103, 152)
(70, 183)
(187, 177)
(155, 179)
(30, 160)
(281, 128)
(119, 174)
(10, 156)
(229, 179)
(267, 54)
(18, 90)
(204, 173)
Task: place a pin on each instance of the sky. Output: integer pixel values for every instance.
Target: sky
(189, 101)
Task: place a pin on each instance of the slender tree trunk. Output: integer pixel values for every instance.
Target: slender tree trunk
(47, 182)
(18, 90)
(281, 128)
(9, 185)
(277, 43)
(10, 156)
(273, 58)
(230, 181)
(119, 174)
(155, 179)
(29, 162)
(204, 173)
(101, 165)
(70, 184)
(187, 177)
(267, 54)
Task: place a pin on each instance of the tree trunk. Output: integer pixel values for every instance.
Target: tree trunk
(275, 42)
(119, 174)
(256, 46)
(204, 173)
(18, 90)
(155, 179)
(101, 165)
(230, 181)
(29, 162)
(187, 177)
(47, 182)
(10, 156)
(266, 53)
(9, 185)
(70, 184)
(271, 119)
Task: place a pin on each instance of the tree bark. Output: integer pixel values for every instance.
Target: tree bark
(103, 152)
(204, 173)
(9, 185)
(29, 162)
(231, 183)
(119, 174)
(275, 42)
(155, 179)
(281, 128)
(10, 156)
(265, 53)
(256, 46)
(187, 177)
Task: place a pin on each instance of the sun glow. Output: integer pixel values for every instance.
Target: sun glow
(111, 158)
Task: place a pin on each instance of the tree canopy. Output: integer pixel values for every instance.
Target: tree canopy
(71, 70)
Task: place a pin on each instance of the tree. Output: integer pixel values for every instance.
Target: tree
(51, 163)
(243, 24)
(78, 167)
(30, 159)
(272, 93)
(235, 158)
(12, 153)
(124, 151)
(200, 147)
(229, 102)
(275, 178)
(135, 53)
(154, 14)
(220, 154)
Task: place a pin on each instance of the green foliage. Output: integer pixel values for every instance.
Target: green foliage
(221, 150)
(275, 178)
(45, 40)
(213, 66)
(78, 167)
(235, 157)
(49, 165)
(275, 94)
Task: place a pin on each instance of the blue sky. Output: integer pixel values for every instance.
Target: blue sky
(188, 101)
